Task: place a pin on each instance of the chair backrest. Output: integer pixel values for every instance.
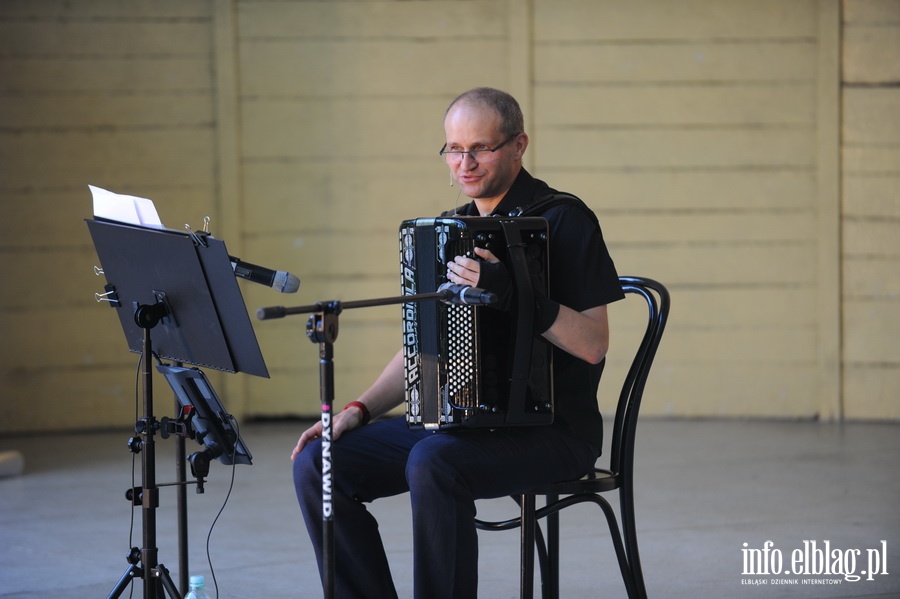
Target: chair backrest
(629, 405)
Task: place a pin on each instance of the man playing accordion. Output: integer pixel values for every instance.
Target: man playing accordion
(445, 471)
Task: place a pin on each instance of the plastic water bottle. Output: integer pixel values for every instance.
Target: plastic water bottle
(198, 588)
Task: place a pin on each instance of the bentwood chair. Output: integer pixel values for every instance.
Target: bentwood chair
(618, 477)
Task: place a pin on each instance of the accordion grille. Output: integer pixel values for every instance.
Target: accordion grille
(461, 357)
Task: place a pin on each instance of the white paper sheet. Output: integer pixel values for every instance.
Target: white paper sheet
(124, 208)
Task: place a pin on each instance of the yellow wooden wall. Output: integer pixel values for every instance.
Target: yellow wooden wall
(745, 153)
(341, 106)
(870, 224)
(692, 128)
(115, 94)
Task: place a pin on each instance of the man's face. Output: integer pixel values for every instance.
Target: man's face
(469, 127)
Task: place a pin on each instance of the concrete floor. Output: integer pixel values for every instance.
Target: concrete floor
(705, 488)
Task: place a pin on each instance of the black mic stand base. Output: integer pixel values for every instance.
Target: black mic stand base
(159, 581)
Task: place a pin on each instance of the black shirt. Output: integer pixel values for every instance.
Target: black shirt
(582, 276)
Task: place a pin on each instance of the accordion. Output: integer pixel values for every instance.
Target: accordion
(474, 366)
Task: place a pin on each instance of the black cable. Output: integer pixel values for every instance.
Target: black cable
(224, 503)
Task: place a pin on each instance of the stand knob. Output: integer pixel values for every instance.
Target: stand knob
(135, 495)
(135, 444)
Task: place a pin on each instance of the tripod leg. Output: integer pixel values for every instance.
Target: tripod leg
(129, 575)
(163, 574)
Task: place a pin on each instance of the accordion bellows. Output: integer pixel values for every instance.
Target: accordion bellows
(474, 366)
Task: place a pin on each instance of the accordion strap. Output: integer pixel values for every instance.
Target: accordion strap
(521, 366)
(555, 198)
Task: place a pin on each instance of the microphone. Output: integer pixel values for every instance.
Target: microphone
(466, 295)
(271, 312)
(278, 280)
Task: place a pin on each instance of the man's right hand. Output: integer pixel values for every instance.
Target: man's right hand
(343, 421)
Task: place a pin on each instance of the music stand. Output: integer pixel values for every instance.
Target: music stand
(182, 285)
(208, 325)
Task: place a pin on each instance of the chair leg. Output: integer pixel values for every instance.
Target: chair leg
(526, 557)
(551, 584)
(629, 532)
(543, 559)
(618, 544)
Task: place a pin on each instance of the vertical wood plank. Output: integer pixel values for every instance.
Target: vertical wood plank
(829, 209)
(521, 63)
(228, 197)
(870, 146)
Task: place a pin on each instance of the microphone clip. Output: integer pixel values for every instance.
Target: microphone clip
(466, 295)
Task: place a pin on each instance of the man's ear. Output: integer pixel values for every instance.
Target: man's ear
(521, 144)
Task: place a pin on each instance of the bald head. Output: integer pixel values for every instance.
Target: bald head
(507, 108)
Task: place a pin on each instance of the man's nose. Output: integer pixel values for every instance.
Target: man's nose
(466, 155)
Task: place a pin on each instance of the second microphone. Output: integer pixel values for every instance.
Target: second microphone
(278, 280)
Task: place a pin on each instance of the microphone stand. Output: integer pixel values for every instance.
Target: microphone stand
(322, 328)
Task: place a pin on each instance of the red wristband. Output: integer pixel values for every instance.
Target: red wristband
(362, 408)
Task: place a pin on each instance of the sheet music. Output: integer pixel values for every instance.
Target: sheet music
(124, 208)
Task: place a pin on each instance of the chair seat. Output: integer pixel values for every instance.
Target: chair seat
(598, 481)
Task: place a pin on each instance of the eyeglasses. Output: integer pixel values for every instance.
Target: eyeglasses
(482, 155)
